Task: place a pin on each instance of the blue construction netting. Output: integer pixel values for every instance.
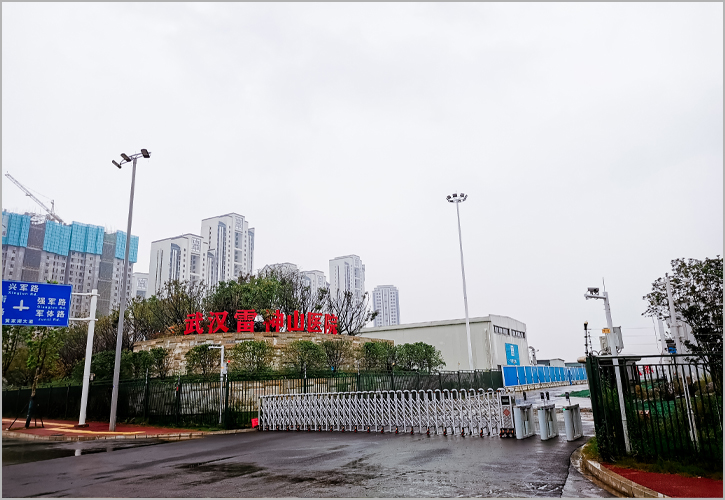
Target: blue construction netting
(57, 238)
(15, 229)
(121, 247)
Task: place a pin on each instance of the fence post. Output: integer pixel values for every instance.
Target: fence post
(226, 402)
(146, 397)
(178, 399)
(440, 381)
(67, 396)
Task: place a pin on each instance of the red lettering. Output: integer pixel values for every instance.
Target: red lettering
(193, 323)
(274, 322)
(245, 320)
(314, 322)
(331, 324)
(217, 322)
(297, 324)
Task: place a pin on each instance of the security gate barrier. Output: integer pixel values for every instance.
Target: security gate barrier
(524, 421)
(573, 422)
(548, 425)
(466, 412)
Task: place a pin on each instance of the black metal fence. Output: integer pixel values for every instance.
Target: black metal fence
(233, 402)
(673, 407)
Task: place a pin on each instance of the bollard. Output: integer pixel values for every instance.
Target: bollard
(523, 421)
(573, 422)
(548, 425)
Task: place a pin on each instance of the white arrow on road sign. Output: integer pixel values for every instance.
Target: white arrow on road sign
(20, 307)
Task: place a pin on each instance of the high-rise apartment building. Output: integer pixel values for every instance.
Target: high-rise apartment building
(347, 274)
(81, 255)
(231, 245)
(315, 280)
(386, 303)
(181, 258)
(140, 285)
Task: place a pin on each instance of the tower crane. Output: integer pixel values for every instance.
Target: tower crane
(51, 211)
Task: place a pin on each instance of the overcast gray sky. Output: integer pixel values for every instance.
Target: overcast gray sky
(589, 138)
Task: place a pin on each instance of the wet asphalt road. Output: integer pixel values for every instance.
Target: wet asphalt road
(300, 464)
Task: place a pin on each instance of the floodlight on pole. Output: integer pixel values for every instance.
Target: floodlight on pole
(459, 198)
(122, 307)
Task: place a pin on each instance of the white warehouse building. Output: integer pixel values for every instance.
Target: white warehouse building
(496, 341)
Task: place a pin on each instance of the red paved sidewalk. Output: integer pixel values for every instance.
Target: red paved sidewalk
(95, 430)
(672, 485)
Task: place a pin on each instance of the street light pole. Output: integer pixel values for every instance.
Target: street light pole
(122, 307)
(456, 198)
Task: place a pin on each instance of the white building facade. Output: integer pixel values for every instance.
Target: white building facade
(496, 341)
(316, 280)
(140, 285)
(231, 246)
(347, 274)
(183, 258)
(387, 304)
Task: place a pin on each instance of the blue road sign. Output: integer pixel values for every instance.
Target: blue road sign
(36, 304)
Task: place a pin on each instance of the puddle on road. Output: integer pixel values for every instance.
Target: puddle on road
(17, 451)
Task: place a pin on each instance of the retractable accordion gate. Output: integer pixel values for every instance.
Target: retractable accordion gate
(466, 412)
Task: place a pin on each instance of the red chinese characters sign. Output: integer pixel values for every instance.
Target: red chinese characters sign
(297, 322)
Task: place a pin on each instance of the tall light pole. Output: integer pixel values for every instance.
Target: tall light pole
(460, 198)
(122, 309)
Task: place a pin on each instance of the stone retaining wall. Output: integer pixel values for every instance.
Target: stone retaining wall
(179, 345)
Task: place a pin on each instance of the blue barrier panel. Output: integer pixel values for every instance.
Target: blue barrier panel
(550, 374)
(541, 373)
(529, 375)
(535, 374)
(568, 375)
(509, 376)
(521, 374)
(579, 374)
(559, 374)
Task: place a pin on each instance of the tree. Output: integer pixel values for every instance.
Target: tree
(43, 345)
(170, 306)
(12, 340)
(246, 293)
(202, 359)
(160, 361)
(419, 356)
(352, 313)
(73, 350)
(338, 352)
(303, 355)
(378, 356)
(697, 294)
(252, 356)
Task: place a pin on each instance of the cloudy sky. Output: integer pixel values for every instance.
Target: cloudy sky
(589, 138)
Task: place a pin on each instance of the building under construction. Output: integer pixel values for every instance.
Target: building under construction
(81, 255)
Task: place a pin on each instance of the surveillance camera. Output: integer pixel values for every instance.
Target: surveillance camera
(593, 291)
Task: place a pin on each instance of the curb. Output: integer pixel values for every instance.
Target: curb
(166, 437)
(618, 483)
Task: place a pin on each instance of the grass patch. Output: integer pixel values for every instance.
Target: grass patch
(687, 469)
(580, 394)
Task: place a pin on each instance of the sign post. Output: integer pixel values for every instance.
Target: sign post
(89, 354)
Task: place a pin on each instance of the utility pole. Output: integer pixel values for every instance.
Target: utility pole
(593, 293)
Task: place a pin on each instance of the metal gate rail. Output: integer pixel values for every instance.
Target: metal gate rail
(466, 411)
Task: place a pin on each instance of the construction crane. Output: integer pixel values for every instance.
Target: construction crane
(51, 211)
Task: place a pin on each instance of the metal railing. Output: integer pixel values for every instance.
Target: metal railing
(198, 401)
(673, 406)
